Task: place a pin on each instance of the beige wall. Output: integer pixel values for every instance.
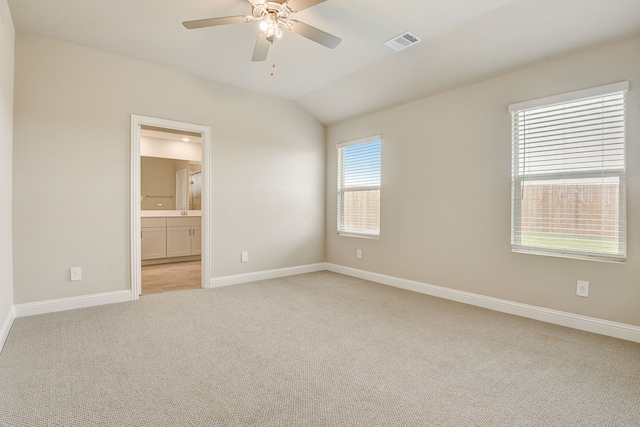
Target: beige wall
(71, 169)
(7, 38)
(445, 216)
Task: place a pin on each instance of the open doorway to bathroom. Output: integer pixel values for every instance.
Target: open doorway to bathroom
(170, 244)
(171, 211)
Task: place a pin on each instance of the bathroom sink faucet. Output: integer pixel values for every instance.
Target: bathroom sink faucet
(183, 210)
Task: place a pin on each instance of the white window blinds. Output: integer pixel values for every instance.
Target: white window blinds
(568, 174)
(359, 187)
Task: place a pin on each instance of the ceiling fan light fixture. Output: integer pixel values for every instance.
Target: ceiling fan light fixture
(273, 33)
(271, 26)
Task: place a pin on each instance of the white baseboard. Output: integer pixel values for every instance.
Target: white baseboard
(236, 279)
(61, 304)
(583, 323)
(6, 326)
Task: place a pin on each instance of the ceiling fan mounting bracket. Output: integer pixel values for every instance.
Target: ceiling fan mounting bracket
(259, 10)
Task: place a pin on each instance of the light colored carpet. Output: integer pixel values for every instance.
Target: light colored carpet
(318, 349)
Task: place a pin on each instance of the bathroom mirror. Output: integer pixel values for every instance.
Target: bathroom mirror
(167, 184)
(170, 169)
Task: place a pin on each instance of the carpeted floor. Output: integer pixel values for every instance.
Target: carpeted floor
(318, 349)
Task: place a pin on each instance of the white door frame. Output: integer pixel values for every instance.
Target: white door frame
(136, 257)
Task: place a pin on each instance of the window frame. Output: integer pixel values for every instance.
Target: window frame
(517, 179)
(342, 189)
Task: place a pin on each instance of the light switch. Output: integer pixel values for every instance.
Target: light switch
(76, 274)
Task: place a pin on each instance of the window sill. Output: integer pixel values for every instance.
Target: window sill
(570, 255)
(361, 236)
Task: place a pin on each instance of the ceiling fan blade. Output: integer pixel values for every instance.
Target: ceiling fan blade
(298, 5)
(212, 22)
(315, 34)
(261, 50)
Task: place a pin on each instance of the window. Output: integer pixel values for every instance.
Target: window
(568, 174)
(359, 187)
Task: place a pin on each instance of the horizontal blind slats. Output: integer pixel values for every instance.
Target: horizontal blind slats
(568, 177)
(359, 188)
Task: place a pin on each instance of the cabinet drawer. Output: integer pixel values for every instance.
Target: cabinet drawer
(153, 222)
(184, 221)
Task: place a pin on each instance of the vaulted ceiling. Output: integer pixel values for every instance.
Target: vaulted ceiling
(463, 41)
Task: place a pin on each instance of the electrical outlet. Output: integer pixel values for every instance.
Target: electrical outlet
(75, 274)
(359, 253)
(244, 257)
(582, 289)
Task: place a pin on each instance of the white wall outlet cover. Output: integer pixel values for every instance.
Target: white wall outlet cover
(582, 288)
(76, 274)
(244, 257)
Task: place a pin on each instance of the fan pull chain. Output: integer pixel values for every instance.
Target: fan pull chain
(273, 60)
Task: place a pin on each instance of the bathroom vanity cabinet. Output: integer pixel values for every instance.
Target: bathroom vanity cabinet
(170, 237)
(183, 236)
(154, 238)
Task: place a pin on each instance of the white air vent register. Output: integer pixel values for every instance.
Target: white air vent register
(403, 41)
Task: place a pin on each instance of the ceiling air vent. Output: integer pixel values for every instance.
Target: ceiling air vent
(403, 41)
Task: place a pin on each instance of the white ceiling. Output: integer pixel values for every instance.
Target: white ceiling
(463, 41)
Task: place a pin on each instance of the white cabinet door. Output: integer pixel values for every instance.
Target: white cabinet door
(171, 237)
(196, 240)
(178, 241)
(154, 242)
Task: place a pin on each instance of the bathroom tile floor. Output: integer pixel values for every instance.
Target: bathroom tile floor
(176, 276)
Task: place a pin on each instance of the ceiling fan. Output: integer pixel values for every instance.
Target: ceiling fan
(274, 18)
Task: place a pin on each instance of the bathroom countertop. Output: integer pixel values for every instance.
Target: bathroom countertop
(167, 213)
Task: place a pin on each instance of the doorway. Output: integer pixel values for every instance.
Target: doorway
(190, 240)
